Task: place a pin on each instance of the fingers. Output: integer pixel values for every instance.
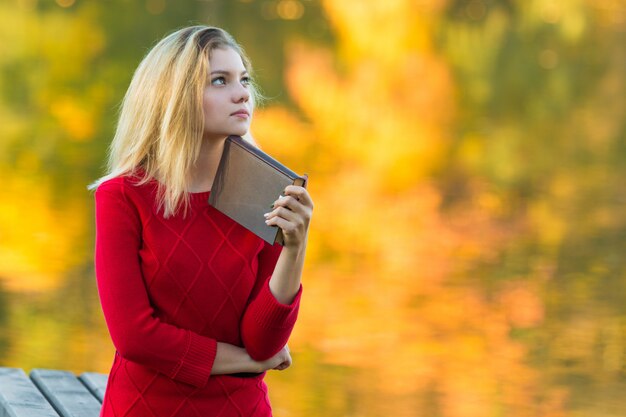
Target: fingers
(283, 366)
(287, 361)
(289, 202)
(287, 208)
(292, 213)
(296, 199)
(300, 194)
(286, 220)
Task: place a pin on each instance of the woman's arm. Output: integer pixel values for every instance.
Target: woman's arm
(233, 359)
(272, 312)
(137, 332)
(292, 213)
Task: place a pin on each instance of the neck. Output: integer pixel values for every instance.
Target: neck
(204, 170)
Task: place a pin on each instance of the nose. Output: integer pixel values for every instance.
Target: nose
(241, 93)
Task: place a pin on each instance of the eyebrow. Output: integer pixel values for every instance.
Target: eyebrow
(223, 72)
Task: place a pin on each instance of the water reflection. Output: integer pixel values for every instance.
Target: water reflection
(467, 164)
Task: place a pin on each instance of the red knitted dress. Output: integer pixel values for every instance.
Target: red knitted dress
(170, 289)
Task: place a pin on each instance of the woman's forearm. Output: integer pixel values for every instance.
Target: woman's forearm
(292, 213)
(285, 281)
(231, 359)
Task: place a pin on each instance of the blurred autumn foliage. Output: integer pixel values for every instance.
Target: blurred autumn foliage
(420, 177)
(466, 162)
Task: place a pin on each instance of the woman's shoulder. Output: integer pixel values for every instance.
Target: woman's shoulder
(122, 197)
(115, 184)
(125, 185)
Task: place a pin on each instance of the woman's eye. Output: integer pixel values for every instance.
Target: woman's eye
(218, 81)
(246, 81)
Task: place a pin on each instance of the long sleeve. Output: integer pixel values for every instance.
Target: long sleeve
(267, 324)
(137, 333)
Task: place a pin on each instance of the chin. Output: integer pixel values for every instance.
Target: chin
(239, 132)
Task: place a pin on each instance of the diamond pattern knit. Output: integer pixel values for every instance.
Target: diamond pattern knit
(172, 288)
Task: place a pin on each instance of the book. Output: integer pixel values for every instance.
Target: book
(247, 183)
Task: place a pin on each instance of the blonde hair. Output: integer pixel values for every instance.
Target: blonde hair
(160, 126)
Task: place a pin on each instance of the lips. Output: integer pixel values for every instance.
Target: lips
(241, 113)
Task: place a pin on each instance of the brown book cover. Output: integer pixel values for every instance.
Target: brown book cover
(247, 182)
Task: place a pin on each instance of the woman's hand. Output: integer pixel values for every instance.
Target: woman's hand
(292, 213)
(279, 362)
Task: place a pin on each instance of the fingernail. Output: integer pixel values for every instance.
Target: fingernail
(266, 215)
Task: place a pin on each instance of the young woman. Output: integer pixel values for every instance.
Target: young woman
(198, 308)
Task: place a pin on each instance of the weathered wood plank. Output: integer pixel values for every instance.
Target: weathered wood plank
(68, 396)
(19, 397)
(97, 383)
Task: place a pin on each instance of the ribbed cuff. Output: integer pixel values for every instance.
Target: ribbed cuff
(270, 313)
(196, 365)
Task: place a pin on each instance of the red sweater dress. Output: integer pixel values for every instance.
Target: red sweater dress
(170, 289)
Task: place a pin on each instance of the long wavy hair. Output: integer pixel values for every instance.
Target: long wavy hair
(160, 126)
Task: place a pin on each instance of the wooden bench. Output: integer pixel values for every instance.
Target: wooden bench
(50, 393)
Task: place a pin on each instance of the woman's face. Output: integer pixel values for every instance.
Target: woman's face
(226, 101)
